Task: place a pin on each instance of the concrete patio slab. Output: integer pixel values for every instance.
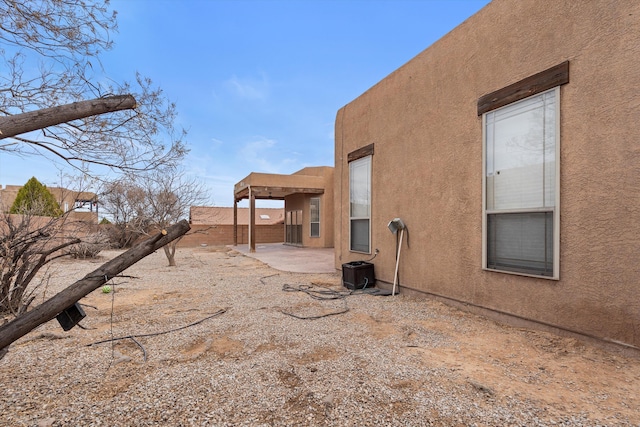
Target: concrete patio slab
(292, 258)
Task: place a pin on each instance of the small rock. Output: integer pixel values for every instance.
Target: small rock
(47, 422)
(328, 399)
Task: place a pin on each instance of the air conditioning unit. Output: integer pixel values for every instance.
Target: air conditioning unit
(358, 275)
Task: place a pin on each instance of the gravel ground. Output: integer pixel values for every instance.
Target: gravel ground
(249, 358)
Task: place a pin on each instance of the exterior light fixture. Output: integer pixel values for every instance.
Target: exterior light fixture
(395, 225)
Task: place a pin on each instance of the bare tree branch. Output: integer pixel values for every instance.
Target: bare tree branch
(34, 120)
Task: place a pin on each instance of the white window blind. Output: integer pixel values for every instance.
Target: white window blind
(521, 185)
(315, 216)
(360, 204)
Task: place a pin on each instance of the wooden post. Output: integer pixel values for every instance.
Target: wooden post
(49, 309)
(235, 222)
(252, 221)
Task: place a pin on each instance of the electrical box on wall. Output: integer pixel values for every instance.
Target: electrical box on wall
(358, 275)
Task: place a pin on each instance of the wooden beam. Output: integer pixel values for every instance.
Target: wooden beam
(360, 153)
(544, 80)
(268, 192)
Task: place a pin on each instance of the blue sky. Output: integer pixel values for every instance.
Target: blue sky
(258, 83)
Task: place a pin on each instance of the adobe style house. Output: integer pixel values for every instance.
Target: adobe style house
(79, 205)
(213, 226)
(509, 149)
(308, 204)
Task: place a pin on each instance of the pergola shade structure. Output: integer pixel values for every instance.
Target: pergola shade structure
(266, 186)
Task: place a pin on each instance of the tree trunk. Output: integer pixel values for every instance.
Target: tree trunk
(40, 119)
(49, 309)
(170, 252)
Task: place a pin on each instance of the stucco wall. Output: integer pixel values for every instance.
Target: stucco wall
(302, 202)
(427, 163)
(223, 235)
(327, 210)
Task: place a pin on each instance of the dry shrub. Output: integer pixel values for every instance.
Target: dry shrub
(90, 246)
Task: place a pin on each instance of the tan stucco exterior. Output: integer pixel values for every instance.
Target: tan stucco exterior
(296, 190)
(221, 215)
(427, 164)
(213, 226)
(301, 201)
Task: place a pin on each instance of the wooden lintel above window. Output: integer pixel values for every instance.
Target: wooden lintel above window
(544, 80)
(360, 153)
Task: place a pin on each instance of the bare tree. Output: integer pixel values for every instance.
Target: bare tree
(50, 56)
(27, 243)
(50, 66)
(153, 201)
(121, 201)
(169, 196)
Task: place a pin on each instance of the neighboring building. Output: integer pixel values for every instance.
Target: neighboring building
(81, 205)
(509, 148)
(308, 204)
(213, 226)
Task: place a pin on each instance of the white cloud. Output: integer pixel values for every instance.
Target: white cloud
(260, 144)
(267, 155)
(258, 152)
(249, 88)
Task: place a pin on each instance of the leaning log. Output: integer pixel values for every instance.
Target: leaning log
(49, 309)
(40, 119)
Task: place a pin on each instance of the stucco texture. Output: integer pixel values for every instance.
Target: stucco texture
(302, 201)
(297, 190)
(427, 164)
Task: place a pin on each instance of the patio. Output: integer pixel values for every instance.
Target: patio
(292, 258)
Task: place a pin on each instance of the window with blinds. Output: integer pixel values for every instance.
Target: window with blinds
(521, 183)
(314, 208)
(360, 204)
